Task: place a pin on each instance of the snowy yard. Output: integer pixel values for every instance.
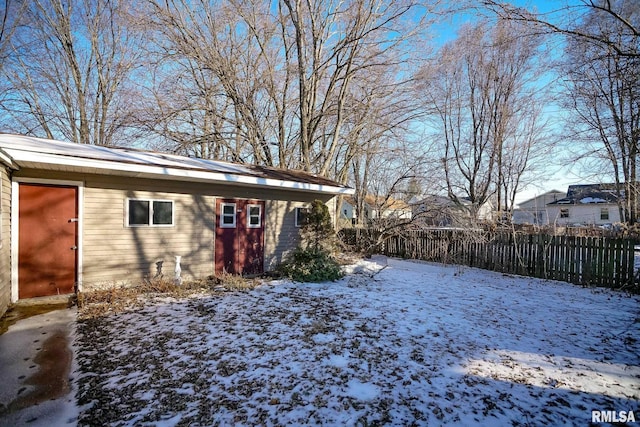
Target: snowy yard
(417, 344)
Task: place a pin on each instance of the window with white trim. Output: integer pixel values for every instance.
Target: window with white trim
(604, 214)
(254, 216)
(301, 216)
(564, 213)
(149, 213)
(227, 215)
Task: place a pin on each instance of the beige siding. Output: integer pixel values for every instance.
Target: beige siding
(5, 240)
(281, 233)
(114, 252)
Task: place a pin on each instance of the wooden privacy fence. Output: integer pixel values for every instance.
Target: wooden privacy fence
(593, 261)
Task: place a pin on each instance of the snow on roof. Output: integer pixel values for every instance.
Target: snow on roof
(593, 200)
(30, 152)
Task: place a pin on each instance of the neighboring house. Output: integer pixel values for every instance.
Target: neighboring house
(441, 211)
(375, 207)
(534, 211)
(74, 217)
(348, 211)
(593, 204)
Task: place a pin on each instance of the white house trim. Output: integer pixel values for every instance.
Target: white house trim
(15, 223)
(146, 165)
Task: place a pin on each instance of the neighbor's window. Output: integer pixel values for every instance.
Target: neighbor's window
(537, 217)
(604, 213)
(564, 213)
(254, 217)
(301, 216)
(228, 215)
(150, 212)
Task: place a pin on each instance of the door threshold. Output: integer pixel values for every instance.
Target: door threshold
(53, 300)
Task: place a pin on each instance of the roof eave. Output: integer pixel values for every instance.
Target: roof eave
(7, 160)
(45, 161)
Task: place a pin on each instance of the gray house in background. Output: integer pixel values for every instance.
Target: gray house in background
(76, 217)
(534, 211)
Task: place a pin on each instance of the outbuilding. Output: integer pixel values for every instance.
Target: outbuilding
(75, 217)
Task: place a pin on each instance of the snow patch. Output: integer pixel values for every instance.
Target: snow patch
(418, 344)
(362, 391)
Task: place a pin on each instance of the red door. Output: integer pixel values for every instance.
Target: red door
(47, 240)
(239, 246)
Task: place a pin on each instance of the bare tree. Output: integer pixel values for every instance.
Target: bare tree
(566, 20)
(229, 64)
(602, 84)
(482, 89)
(10, 16)
(602, 66)
(306, 84)
(336, 42)
(69, 70)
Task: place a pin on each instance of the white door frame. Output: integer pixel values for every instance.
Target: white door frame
(15, 221)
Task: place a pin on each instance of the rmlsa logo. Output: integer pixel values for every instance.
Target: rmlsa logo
(613, 417)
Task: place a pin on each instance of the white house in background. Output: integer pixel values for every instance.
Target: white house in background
(386, 207)
(592, 204)
(347, 210)
(534, 211)
(441, 211)
(375, 207)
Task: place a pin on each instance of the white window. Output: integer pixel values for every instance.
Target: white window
(144, 212)
(604, 214)
(564, 213)
(228, 215)
(254, 216)
(301, 216)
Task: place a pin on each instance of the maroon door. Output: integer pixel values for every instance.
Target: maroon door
(47, 239)
(239, 246)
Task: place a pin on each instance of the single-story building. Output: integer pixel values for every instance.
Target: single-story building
(75, 217)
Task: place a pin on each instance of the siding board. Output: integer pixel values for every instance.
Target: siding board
(5, 240)
(113, 252)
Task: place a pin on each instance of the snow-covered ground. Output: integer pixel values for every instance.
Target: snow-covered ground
(416, 344)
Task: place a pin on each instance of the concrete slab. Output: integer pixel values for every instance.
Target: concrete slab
(37, 364)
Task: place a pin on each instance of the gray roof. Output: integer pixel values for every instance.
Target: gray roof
(589, 194)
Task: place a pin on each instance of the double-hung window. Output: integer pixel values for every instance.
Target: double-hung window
(254, 216)
(228, 215)
(147, 212)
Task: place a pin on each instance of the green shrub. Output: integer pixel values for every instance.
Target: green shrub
(317, 230)
(308, 265)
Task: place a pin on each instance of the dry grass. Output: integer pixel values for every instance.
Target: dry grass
(126, 296)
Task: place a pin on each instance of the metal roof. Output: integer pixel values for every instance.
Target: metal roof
(47, 154)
